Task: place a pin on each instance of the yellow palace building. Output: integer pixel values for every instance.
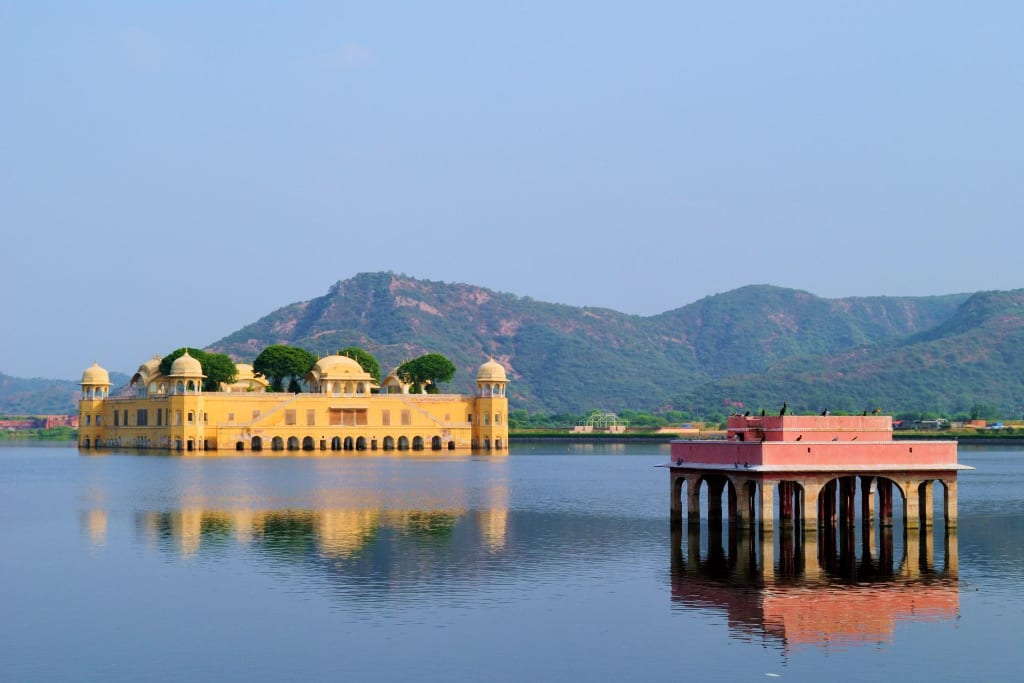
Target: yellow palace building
(343, 410)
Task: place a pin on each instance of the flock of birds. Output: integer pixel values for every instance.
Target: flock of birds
(824, 413)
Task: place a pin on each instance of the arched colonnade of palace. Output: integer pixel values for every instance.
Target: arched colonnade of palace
(813, 501)
(345, 443)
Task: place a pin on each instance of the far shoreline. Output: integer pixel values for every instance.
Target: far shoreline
(571, 437)
(621, 438)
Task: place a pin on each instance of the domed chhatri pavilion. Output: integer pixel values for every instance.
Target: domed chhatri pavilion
(343, 409)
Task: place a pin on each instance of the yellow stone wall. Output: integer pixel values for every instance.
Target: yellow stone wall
(199, 422)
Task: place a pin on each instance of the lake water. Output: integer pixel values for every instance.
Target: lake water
(547, 564)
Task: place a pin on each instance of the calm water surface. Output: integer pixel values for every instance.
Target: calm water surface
(548, 564)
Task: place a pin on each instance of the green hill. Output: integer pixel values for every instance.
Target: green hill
(569, 359)
(752, 328)
(972, 358)
(42, 396)
(755, 346)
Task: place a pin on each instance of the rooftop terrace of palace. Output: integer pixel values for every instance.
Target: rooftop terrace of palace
(813, 443)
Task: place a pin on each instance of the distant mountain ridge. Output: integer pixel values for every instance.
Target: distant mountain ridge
(38, 396)
(972, 358)
(570, 359)
(754, 346)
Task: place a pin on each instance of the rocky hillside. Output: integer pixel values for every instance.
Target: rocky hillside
(972, 358)
(755, 346)
(564, 358)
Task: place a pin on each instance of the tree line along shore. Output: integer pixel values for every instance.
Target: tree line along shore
(603, 426)
(1005, 437)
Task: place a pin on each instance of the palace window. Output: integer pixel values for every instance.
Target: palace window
(406, 418)
(142, 417)
(354, 418)
(385, 417)
(348, 417)
(311, 417)
(289, 417)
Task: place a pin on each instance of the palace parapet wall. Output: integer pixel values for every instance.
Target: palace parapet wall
(788, 443)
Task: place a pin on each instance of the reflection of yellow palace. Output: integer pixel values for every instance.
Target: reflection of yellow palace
(339, 532)
(343, 410)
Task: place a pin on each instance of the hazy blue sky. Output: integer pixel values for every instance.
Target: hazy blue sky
(172, 171)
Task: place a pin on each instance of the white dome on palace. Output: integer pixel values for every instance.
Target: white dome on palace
(339, 367)
(491, 371)
(186, 366)
(151, 367)
(147, 371)
(95, 375)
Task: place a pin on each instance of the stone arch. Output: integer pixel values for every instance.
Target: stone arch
(389, 443)
(417, 443)
(834, 499)
(308, 444)
(435, 443)
(349, 443)
(790, 500)
(935, 503)
(239, 445)
(256, 444)
(709, 505)
(451, 445)
(336, 443)
(678, 488)
(277, 444)
(361, 443)
(293, 443)
(403, 443)
(742, 498)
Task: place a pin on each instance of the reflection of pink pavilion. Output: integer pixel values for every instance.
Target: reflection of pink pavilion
(812, 611)
(813, 459)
